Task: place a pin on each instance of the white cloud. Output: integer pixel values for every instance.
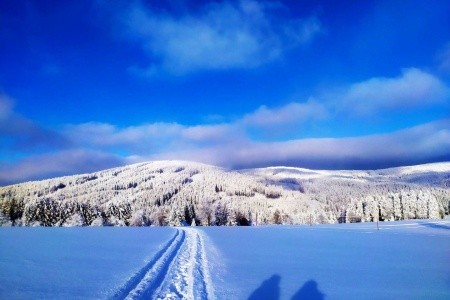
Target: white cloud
(66, 162)
(133, 137)
(424, 143)
(413, 89)
(160, 137)
(228, 144)
(293, 112)
(211, 133)
(223, 35)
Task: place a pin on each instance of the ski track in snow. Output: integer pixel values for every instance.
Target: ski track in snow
(178, 271)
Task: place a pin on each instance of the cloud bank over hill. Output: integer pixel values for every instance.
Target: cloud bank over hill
(76, 148)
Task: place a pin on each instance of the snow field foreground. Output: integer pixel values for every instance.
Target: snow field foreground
(401, 260)
(103, 263)
(74, 263)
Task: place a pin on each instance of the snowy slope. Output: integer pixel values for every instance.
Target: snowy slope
(441, 167)
(179, 192)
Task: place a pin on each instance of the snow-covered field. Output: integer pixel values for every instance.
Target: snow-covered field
(402, 260)
(74, 263)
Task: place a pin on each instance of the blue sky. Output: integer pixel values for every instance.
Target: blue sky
(86, 85)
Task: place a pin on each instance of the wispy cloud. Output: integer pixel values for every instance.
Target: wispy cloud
(65, 162)
(293, 112)
(103, 135)
(413, 89)
(222, 35)
(212, 133)
(23, 134)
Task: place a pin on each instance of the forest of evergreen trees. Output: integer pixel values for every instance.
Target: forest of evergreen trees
(183, 193)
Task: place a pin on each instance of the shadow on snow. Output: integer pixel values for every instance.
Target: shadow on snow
(270, 290)
(435, 225)
(309, 291)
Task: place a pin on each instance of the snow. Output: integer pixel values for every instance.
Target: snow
(432, 167)
(401, 260)
(178, 271)
(73, 263)
(359, 175)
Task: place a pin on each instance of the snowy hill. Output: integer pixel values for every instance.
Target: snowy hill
(179, 192)
(434, 173)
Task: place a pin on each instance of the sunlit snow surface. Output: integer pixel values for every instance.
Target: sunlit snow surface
(73, 263)
(402, 260)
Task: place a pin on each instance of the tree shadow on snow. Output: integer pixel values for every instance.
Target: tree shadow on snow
(270, 290)
(435, 225)
(309, 291)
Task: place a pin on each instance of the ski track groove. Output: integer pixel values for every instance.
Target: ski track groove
(134, 286)
(177, 271)
(202, 285)
(186, 278)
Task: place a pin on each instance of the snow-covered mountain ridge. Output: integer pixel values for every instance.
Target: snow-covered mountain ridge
(180, 192)
(398, 174)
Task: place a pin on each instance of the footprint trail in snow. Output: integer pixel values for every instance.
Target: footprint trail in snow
(178, 271)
